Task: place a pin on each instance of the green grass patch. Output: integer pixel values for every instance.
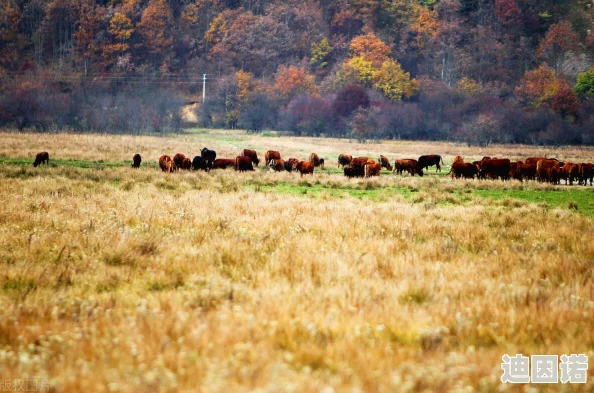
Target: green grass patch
(579, 200)
(83, 164)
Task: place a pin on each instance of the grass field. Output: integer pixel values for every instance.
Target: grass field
(114, 279)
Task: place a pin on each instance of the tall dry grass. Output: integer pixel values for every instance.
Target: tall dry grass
(134, 280)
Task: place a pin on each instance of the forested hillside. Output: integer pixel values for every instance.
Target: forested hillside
(476, 71)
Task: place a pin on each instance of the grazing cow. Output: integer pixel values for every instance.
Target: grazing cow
(533, 160)
(464, 170)
(277, 165)
(514, 170)
(199, 163)
(547, 170)
(41, 158)
(344, 160)
(430, 160)
(527, 171)
(569, 172)
(186, 164)
(458, 159)
(409, 165)
(136, 160)
(252, 155)
(586, 173)
(321, 163)
(495, 168)
(224, 163)
(314, 159)
(358, 164)
(270, 155)
(243, 163)
(385, 163)
(179, 160)
(208, 155)
(289, 164)
(166, 164)
(304, 167)
(350, 172)
(372, 169)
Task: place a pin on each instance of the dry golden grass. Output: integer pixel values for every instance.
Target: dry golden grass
(134, 280)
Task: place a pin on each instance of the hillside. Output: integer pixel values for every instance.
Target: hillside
(478, 71)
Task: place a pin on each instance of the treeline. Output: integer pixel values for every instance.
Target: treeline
(479, 71)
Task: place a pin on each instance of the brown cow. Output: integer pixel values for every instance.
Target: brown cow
(344, 160)
(166, 164)
(385, 162)
(252, 155)
(314, 159)
(430, 160)
(514, 171)
(270, 155)
(224, 163)
(186, 164)
(372, 169)
(465, 170)
(458, 159)
(358, 164)
(136, 160)
(586, 173)
(179, 160)
(243, 163)
(409, 165)
(41, 158)
(569, 172)
(495, 168)
(289, 164)
(533, 160)
(278, 165)
(547, 170)
(527, 171)
(304, 167)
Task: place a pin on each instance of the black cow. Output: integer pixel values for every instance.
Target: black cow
(208, 155)
(199, 163)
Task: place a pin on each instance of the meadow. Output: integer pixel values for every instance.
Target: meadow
(121, 280)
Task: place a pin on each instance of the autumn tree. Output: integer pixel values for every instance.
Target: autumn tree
(89, 27)
(394, 82)
(11, 38)
(541, 87)
(507, 11)
(156, 30)
(355, 70)
(292, 80)
(120, 30)
(534, 85)
(320, 52)
(370, 48)
(559, 40)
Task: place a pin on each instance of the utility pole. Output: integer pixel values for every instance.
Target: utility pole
(203, 87)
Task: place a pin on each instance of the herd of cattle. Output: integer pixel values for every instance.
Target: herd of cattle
(207, 160)
(542, 169)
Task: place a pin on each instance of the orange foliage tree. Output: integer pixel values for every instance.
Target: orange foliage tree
(292, 80)
(541, 87)
(559, 40)
(155, 28)
(371, 48)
